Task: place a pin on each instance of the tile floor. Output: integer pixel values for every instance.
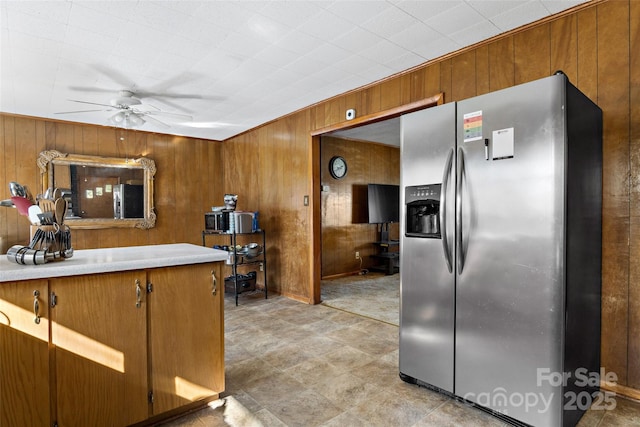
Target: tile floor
(291, 364)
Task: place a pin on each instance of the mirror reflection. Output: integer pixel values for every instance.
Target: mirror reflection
(101, 192)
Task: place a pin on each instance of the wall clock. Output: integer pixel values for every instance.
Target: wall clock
(338, 167)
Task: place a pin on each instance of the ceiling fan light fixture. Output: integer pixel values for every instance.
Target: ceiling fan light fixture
(136, 120)
(118, 118)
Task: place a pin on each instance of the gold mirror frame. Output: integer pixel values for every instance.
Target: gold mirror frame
(47, 159)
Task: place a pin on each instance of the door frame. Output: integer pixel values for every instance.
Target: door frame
(315, 254)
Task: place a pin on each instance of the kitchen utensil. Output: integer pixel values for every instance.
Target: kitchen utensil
(25, 255)
(60, 210)
(28, 194)
(46, 218)
(253, 249)
(22, 204)
(34, 210)
(47, 205)
(231, 257)
(17, 189)
(57, 193)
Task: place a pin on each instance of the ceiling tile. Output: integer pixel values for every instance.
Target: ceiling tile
(437, 47)
(91, 20)
(330, 53)
(244, 44)
(197, 28)
(46, 10)
(425, 10)
(298, 42)
(475, 33)
(276, 55)
(292, 13)
(454, 19)
(489, 9)
(405, 61)
(222, 14)
(555, 6)
(357, 39)
(389, 22)
(266, 28)
(415, 35)
(318, 26)
(385, 51)
(525, 13)
(156, 15)
(35, 25)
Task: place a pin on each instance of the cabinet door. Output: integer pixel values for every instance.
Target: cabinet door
(24, 354)
(100, 333)
(186, 335)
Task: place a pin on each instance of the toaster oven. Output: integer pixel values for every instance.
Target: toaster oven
(216, 221)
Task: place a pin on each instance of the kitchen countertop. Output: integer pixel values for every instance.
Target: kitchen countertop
(92, 261)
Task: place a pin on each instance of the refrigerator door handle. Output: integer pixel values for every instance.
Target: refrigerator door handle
(443, 209)
(460, 251)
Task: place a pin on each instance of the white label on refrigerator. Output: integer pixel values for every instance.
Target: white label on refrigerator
(502, 147)
(472, 126)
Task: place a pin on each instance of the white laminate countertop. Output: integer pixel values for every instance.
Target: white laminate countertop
(91, 261)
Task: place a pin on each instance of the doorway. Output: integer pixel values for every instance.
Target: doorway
(358, 126)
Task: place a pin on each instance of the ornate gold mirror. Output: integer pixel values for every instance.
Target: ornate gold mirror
(102, 192)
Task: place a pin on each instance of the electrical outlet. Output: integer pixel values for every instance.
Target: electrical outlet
(261, 267)
(357, 255)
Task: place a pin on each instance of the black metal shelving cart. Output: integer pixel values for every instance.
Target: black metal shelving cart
(242, 283)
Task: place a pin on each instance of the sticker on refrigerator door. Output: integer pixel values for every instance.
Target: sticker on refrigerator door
(502, 147)
(472, 126)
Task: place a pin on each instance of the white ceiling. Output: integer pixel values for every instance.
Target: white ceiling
(231, 65)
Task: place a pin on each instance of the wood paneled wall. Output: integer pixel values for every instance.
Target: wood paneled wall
(344, 206)
(596, 46)
(188, 181)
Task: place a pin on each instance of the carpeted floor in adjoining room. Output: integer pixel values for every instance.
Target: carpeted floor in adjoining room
(373, 295)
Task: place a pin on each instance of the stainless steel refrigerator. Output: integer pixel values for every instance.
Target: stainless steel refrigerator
(501, 251)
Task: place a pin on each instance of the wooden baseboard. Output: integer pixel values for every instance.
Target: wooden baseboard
(621, 390)
(294, 297)
(339, 275)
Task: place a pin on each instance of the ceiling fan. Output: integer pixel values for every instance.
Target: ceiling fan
(130, 110)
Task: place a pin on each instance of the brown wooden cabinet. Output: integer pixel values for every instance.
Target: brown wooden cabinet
(24, 354)
(99, 330)
(186, 345)
(121, 348)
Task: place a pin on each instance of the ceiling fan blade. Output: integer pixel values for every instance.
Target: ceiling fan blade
(79, 111)
(170, 104)
(154, 120)
(91, 103)
(167, 114)
(117, 77)
(91, 89)
(145, 94)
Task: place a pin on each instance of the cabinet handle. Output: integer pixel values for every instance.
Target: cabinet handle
(138, 294)
(36, 306)
(214, 280)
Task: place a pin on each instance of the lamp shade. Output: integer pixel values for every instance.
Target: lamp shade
(136, 120)
(118, 118)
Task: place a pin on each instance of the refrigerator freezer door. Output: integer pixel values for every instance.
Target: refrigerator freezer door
(510, 288)
(426, 282)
